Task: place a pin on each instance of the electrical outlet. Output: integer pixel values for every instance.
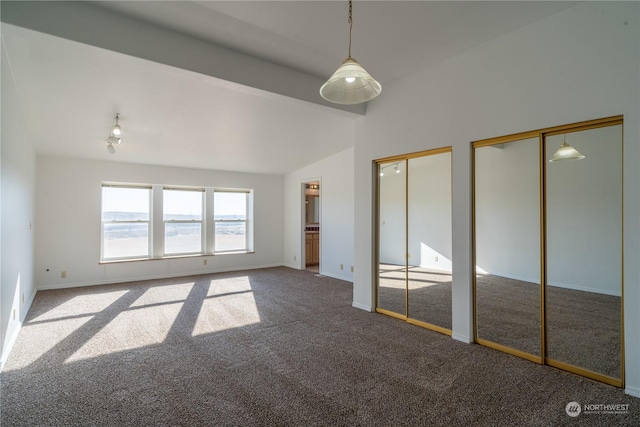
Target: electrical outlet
(63, 274)
(436, 259)
(14, 314)
(294, 257)
(204, 262)
(341, 267)
(22, 298)
(352, 268)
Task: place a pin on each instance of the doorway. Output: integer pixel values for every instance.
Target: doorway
(311, 231)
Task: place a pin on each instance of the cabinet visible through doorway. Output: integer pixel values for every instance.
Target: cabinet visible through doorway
(312, 248)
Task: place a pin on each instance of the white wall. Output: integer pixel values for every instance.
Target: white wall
(584, 212)
(17, 215)
(580, 64)
(68, 210)
(335, 175)
(429, 204)
(508, 210)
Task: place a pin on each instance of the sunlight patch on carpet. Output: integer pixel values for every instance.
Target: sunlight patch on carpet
(82, 304)
(164, 294)
(131, 329)
(47, 335)
(230, 303)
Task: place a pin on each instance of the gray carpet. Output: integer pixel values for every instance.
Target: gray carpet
(267, 347)
(583, 328)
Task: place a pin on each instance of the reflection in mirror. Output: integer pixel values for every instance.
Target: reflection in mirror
(313, 209)
(429, 239)
(584, 251)
(392, 273)
(507, 245)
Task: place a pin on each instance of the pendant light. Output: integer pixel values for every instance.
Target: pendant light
(350, 84)
(566, 152)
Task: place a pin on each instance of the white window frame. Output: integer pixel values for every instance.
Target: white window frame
(248, 237)
(201, 221)
(156, 223)
(137, 222)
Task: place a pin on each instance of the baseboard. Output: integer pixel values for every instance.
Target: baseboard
(294, 266)
(462, 338)
(532, 280)
(14, 336)
(361, 306)
(585, 289)
(336, 276)
(536, 281)
(153, 277)
(632, 391)
(10, 343)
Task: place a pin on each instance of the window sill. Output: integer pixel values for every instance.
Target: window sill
(169, 257)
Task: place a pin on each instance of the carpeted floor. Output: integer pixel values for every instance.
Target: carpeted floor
(267, 347)
(583, 328)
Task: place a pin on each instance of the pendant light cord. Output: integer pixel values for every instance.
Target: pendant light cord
(350, 26)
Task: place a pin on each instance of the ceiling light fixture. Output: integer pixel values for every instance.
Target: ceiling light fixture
(114, 136)
(350, 84)
(566, 152)
(116, 127)
(396, 168)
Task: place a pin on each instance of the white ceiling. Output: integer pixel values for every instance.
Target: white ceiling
(71, 91)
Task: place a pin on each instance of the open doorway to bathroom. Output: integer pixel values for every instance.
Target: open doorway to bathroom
(311, 230)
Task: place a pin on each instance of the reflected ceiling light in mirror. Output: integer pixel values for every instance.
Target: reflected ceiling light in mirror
(566, 152)
(396, 168)
(350, 84)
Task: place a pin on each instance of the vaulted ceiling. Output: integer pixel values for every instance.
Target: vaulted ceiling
(223, 85)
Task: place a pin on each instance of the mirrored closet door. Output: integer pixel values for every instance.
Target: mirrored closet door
(584, 251)
(414, 238)
(507, 240)
(548, 247)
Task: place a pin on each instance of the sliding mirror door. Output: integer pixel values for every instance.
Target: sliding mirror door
(584, 251)
(507, 247)
(392, 240)
(548, 239)
(414, 238)
(429, 240)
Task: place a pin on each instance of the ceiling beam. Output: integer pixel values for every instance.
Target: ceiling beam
(95, 26)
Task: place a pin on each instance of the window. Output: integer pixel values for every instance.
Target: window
(156, 221)
(125, 222)
(182, 216)
(230, 209)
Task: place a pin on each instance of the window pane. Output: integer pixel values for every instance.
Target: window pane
(182, 205)
(231, 236)
(126, 240)
(180, 238)
(229, 206)
(125, 204)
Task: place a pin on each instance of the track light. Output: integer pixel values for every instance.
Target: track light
(114, 136)
(396, 168)
(116, 127)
